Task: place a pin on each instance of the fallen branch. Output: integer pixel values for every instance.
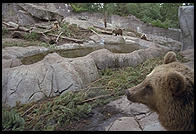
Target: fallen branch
(102, 28)
(28, 110)
(104, 31)
(67, 38)
(16, 27)
(97, 97)
(95, 33)
(58, 36)
(43, 27)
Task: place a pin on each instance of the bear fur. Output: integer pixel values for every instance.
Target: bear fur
(169, 91)
(144, 37)
(117, 32)
(170, 57)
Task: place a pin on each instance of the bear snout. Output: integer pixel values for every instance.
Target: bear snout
(129, 96)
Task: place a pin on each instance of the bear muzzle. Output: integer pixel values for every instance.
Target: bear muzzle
(130, 96)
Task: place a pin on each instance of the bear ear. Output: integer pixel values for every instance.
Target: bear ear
(169, 57)
(176, 83)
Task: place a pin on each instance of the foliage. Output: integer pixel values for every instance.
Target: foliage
(4, 31)
(11, 120)
(163, 15)
(31, 36)
(47, 45)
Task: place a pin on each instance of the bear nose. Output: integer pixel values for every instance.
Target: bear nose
(127, 93)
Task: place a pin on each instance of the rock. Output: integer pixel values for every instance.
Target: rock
(54, 74)
(151, 123)
(40, 12)
(68, 46)
(164, 41)
(123, 124)
(20, 52)
(28, 13)
(189, 54)
(125, 106)
(106, 59)
(146, 120)
(47, 78)
(82, 23)
(108, 39)
(9, 63)
(24, 18)
(186, 21)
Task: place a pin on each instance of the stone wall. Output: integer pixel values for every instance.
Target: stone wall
(132, 23)
(186, 20)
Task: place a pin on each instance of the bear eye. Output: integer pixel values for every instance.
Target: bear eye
(148, 88)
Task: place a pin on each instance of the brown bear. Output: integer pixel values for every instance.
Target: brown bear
(144, 37)
(117, 32)
(168, 90)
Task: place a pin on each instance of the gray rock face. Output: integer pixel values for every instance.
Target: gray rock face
(105, 59)
(140, 117)
(168, 42)
(19, 52)
(186, 20)
(49, 77)
(108, 39)
(55, 74)
(39, 12)
(11, 55)
(28, 13)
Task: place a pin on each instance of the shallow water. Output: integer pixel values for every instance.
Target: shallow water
(79, 52)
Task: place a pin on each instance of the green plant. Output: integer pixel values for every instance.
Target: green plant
(47, 45)
(31, 36)
(4, 31)
(11, 120)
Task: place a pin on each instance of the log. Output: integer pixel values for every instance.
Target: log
(106, 29)
(67, 38)
(97, 97)
(16, 27)
(58, 36)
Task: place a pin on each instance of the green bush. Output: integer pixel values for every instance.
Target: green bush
(12, 121)
(32, 36)
(78, 8)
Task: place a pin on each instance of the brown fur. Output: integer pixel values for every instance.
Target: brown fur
(170, 57)
(117, 32)
(144, 37)
(168, 90)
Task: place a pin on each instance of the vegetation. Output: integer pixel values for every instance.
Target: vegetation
(163, 15)
(12, 120)
(56, 113)
(31, 36)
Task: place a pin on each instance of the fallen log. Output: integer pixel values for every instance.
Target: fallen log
(102, 28)
(103, 31)
(97, 97)
(67, 38)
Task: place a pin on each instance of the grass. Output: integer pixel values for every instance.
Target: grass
(57, 112)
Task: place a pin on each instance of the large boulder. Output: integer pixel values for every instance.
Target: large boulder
(20, 52)
(54, 74)
(30, 13)
(140, 118)
(186, 21)
(107, 39)
(164, 41)
(47, 78)
(105, 59)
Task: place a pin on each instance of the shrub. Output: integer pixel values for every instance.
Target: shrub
(12, 120)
